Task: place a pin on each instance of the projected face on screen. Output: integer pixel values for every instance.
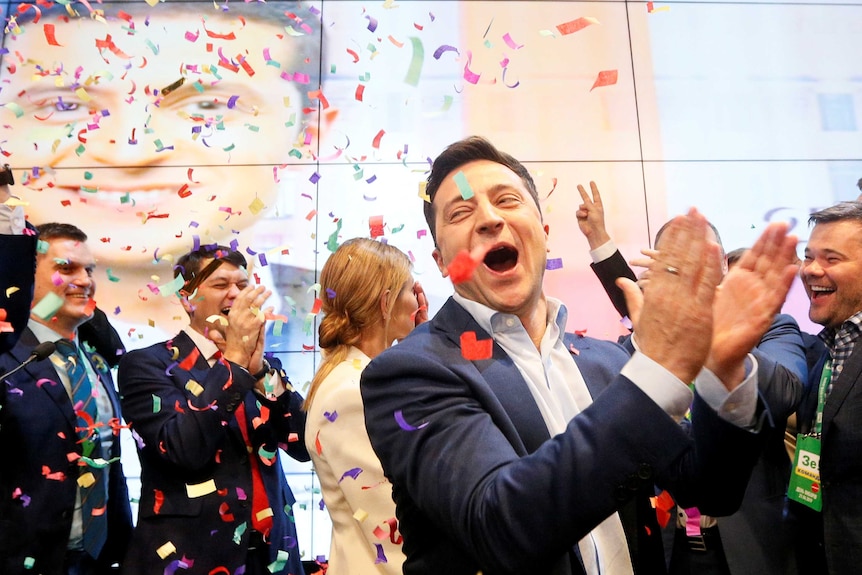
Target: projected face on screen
(154, 129)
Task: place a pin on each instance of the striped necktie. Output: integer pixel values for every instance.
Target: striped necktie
(92, 480)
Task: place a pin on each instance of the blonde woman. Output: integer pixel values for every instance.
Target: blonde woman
(369, 301)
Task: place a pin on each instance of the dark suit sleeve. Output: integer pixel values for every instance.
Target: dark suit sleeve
(101, 335)
(17, 270)
(287, 417)
(176, 425)
(608, 270)
(446, 451)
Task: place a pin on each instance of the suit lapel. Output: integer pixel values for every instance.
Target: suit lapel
(850, 374)
(44, 376)
(500, 376)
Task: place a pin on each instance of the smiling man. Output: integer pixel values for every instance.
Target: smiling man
(64, 505)
(541, 453)
(212, 415)
(830, 541)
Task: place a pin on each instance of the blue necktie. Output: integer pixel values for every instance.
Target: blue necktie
(94, 492)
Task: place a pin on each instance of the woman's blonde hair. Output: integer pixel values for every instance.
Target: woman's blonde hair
(351, 283)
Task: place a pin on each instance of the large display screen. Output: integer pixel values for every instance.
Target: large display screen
(284, 128)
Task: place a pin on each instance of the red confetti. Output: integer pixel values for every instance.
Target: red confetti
(605, 78)
(575, 25)
(462, 267)
(473, 349)
(376, 143)
(49, 35)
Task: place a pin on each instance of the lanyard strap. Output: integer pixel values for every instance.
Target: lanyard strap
(825, 380)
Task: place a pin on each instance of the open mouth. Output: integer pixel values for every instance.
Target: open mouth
(225, 310)
(819, 292)
(501, 259)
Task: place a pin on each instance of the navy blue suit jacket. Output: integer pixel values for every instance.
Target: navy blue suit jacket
(478, 482)
(37, 433)
(190, 436)
(839, 526)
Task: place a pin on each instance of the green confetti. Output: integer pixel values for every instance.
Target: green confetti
(415, 69)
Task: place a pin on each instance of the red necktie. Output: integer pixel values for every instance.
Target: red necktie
(259, 500)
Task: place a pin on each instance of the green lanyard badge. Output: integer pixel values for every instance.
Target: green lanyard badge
(805, 487)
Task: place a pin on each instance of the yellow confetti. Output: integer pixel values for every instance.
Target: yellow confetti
(200, 489)
(85, 480)
(194, 387)
(360, 515)
(168, 548)
(11, 290)
(217, 318)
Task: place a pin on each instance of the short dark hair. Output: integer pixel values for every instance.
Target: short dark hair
(463, 152)
(56, 231)
(733, 256)
(189, 265)
(839, 212)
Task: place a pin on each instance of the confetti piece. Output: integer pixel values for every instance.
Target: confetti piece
(173, 86)
(469, 75)
(461, 268)
(507, 38)
(201, 489)
(217, 318)
(330, 416)
(376, 143)
(402, 423)
(351, 473)
(443, 49)
(381, 556)
(576, 25)
(166, 549)
(360, 515)
(605, 78)
(414, 71)
(194, 387)
(473, 349)
(463, 185)
(49, 34)
(375, 226)
(47, 306)
(554, 263)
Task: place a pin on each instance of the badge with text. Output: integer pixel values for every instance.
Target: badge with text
(805, 485)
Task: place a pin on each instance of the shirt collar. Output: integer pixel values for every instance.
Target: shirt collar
(207, 348)
(44, 333)
(852, 324)
(488, 318)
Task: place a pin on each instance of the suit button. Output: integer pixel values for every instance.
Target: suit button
(633, 482)
(645, 471)
(66, 514)
(621, 493)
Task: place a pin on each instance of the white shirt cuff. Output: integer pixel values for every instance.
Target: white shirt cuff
(663, 387)
(603, 252)
(738, 406)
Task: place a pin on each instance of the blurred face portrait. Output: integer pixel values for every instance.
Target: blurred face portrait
(107, 133)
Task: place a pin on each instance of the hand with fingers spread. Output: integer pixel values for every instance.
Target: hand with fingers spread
(674, 326)
(591, 217)
(244, 333)
(747, 300)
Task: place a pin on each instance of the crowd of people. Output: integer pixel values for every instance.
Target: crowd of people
(481, 438)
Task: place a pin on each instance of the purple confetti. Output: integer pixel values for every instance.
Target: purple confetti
(381, 556)
(372, 22)
(554, 264)
(315, 177)
(351, 473)
(402, 423)
(443, 49)
(330, 416)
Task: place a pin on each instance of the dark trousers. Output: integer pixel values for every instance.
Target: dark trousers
(79, 562)
(702, 555)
